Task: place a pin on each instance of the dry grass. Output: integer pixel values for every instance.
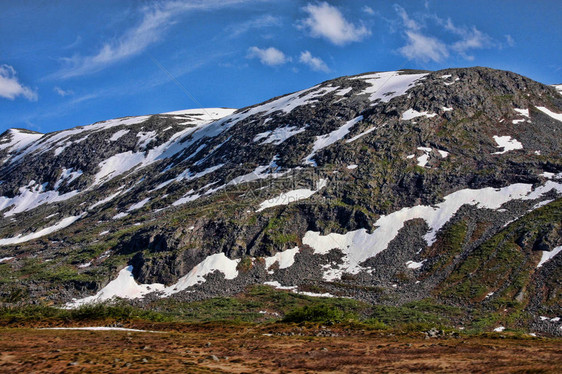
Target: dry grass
(183, 348)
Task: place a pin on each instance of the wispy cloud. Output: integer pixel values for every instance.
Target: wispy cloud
(257, 23)
(367, 9)
(62, 92)
(154, 23)
(422, 45)
(409, 23)
(268, 56)
(10, 87)
(314, 63)
(471, 38)
(509, 40)
(424, 48)
(326, 21)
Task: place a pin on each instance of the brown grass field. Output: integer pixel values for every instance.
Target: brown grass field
(268, 348)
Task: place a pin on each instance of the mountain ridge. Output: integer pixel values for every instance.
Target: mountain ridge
(350, 185)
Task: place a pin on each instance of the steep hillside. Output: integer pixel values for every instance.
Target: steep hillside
(386, 187)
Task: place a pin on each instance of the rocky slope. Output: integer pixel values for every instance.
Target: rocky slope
(386, 187)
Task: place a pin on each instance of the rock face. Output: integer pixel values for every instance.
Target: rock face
(386, 187)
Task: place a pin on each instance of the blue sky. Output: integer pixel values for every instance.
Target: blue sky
(71, 63)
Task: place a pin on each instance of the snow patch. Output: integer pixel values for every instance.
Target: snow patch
(359, 245)
(279, 135)
(507, 143)
(388, 85)
(217, 262)
(548, 255)
(285, 259)
(352, 166)
(19, 140)
(324, 141)
(138, 205)
(116, 135)
(46, 231)
(32, 196)
(412, 113)
(291, 196)
(124, 286)
(414, 265)
(120, 215)
(551, 114)
(523, 112)
(443, 154)
(4, 259)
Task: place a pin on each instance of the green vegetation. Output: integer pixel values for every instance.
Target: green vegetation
(321, 313)
(97, 312)
(259, 304)
(504, 258)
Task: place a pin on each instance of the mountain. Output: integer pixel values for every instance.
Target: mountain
(385, 187)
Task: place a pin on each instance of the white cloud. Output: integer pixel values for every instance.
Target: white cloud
(10, 87)
(154, 23)
(424, 48)
(470, 39)
(327, 22)
(269, 56)
(314, 63)
(62, 92)
(510, 41)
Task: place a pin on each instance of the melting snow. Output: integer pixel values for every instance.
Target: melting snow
(118, 134)
(58, 139)
(507, 144)
(217, 262)
(67, 176)
(123, 286)
(4, 259)
(138, 205)
(279, 135)
(424, 159)
(103, 201)
(46, 231)
(361, 135)
(411, 113)
(548, 255)
(324, 141)
(285, 259)
(414, 265)
(499, 329)
(443, 154)
(388, 85)
(446, 109)
(351, 167)
(291, 196)
(523, 112)
(120, 215)
(556, 116)
(359, 245)
(31, 197)
(19, 140)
